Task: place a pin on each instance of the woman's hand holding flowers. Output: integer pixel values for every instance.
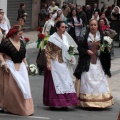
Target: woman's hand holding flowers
(89, 52)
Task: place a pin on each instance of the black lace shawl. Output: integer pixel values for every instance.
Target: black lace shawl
(9, 49)
(84, 58)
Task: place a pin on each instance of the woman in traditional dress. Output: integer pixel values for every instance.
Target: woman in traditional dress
(59, 89)
(5, 18)
(92, 70)
(3, 24)
(15, 94)
(48, 30)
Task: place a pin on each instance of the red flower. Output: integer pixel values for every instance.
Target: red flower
(39, 29)
(26, 39)
(41, 36)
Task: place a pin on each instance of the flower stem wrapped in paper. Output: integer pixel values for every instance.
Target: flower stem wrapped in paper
(106, 45)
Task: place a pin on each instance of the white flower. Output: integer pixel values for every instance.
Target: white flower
(108, 39)
(33, 69)
(25, 14)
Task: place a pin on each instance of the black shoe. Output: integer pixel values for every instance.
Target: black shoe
(52, 108)
(2, 110)
(65, 108)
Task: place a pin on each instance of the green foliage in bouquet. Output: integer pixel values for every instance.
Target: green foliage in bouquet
(71, 50)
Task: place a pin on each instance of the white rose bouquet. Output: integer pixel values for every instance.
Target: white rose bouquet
(106, 45)
(32, 69)
(25, 16)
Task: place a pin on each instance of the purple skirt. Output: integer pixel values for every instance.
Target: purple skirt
(50, 98)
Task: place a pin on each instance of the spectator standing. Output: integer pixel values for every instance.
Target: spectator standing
(103, 25)
(95, 15)
(65, 9)
(104, 17)
(88, 12)
(108, 12)
(21, 15)
(103, 7)
(53, 7)
(95, 8)
(82, 15)
(43, 15)
(75, 25)
(115, 20)
(44, 11)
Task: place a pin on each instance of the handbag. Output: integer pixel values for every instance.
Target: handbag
(111, 33)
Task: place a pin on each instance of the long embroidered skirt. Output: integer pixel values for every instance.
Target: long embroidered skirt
(94, 90)
(50, 98)
(11, 97)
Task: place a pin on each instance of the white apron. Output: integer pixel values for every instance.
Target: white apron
(62, 72)
(21, 78)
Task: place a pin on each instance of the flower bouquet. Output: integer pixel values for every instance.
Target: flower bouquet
(39, 29)
(69, 54)
(106, 45)
(32, 70)
(71, 50)
(25, 16)
(26, 40)
(40, 38)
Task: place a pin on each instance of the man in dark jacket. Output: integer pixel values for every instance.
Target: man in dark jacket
(95, 8)
(82, 14)
(88, 12)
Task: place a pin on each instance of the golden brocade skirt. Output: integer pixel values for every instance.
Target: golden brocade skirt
(93, 89)
(93, 100)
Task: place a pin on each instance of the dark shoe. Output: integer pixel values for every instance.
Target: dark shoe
(52, 108)
(65, 108)
(1, 110)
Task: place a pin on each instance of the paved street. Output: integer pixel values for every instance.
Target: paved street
(75, 113)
